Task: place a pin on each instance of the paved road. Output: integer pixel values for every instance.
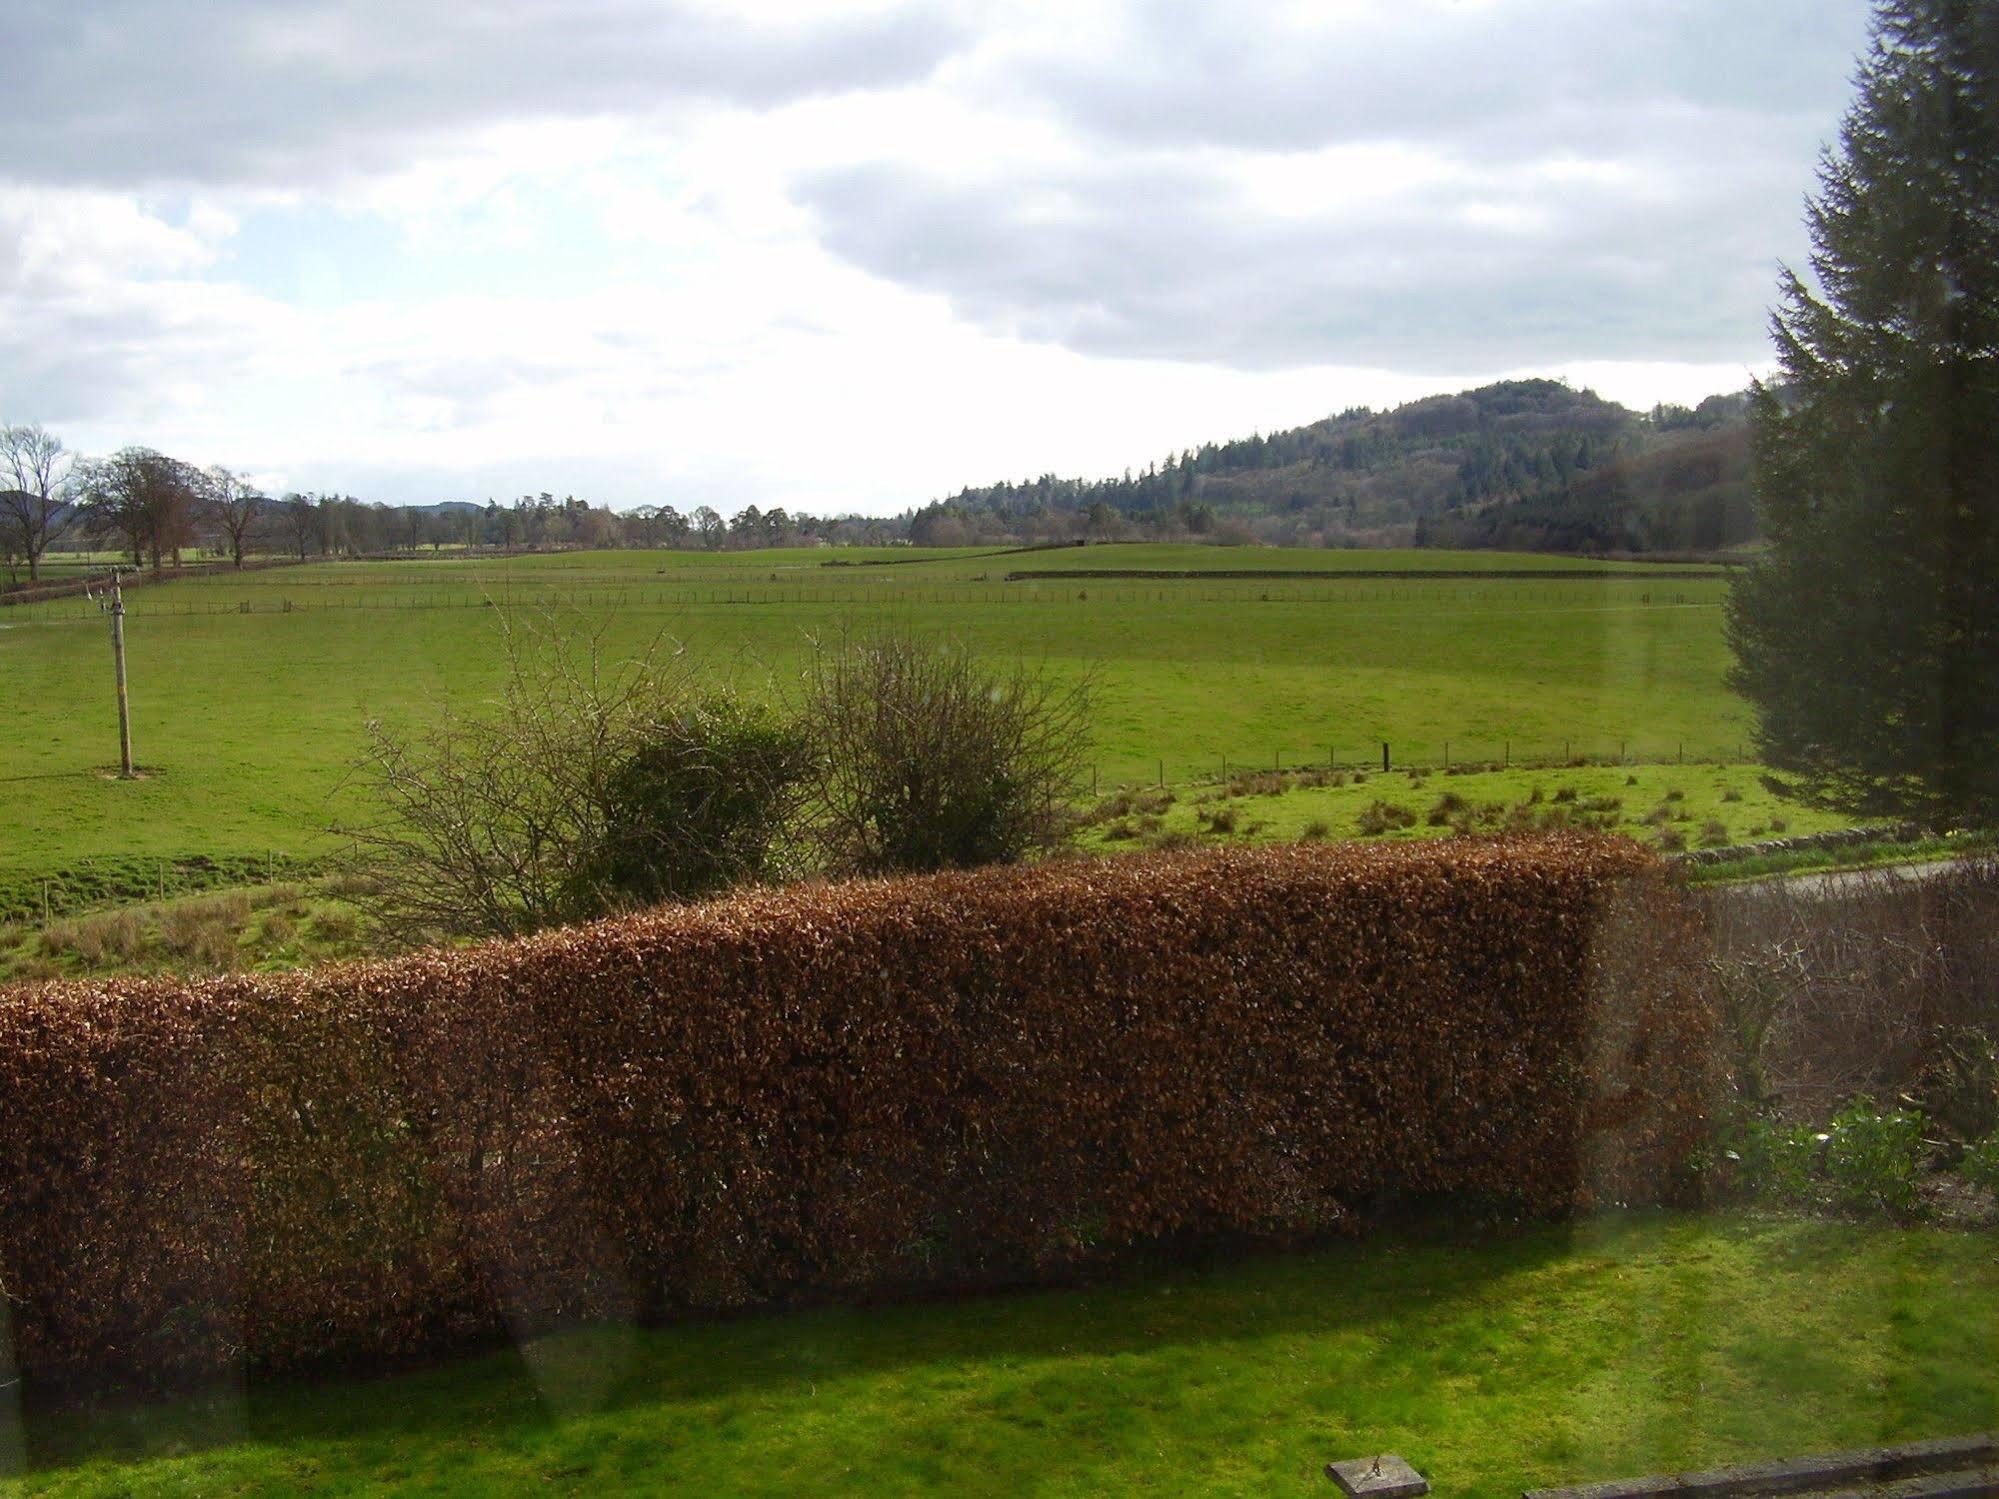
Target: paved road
(1839, 881)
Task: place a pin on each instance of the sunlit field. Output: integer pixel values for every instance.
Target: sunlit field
(250, 692)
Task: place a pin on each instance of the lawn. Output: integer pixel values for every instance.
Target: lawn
(1608, 1348)
(250, 691)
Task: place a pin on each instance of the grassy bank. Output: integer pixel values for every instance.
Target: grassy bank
(1609, 1348)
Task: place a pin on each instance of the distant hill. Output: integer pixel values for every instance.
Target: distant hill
(1524, 464)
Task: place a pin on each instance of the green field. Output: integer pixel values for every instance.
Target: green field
(250, 691)
(1604, 1349)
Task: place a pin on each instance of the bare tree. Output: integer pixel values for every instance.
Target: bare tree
(931, 759)
(301, 522)
(145, 498)
(39, 507)
(233, 506)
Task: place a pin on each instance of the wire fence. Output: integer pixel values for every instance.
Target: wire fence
(1514, 598)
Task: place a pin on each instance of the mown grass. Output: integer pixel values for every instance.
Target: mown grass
(245, 721)
(1610, 1348)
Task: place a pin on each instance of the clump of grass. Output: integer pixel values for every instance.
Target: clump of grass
(1777, 825)
(1730, 794)
(284, 893)
(1218, 820)
(1660, 815)
(1601, 805)
(335, 924)
(1316, 831)
(1714, 834)
(1173, 838)
(1566, 794)
(1121, 830)
(1676, 795)
(1671, 840)
(278, 932)
(1631, 780)
(1450, 808)
(1534, 796)
(1380, 816)
(113, 936)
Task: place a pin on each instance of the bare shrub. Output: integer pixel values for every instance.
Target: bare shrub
(595, 783)
(1870, 984)
(929, 758)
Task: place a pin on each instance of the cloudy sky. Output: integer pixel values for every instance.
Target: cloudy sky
(850, 256)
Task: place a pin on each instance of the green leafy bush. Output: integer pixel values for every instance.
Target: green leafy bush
(698, 804)
(1981, 1164)
(1773, 1161)
(1872, 1157)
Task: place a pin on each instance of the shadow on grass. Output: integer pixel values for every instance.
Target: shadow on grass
(1533, 1314)
(1411, 1278)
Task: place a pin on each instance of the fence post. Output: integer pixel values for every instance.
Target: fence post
(1506, 755)
(1384, 754)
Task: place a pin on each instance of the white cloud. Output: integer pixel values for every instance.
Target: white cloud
(781, 252)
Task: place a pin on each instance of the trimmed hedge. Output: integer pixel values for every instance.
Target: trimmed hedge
(865, 1088)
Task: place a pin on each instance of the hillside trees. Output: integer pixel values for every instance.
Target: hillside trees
(37, 509)
(1869, 639)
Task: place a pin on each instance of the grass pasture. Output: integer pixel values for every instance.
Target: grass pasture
(1608, 1348)
(250, 691)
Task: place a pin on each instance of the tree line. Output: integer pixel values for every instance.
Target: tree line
(156, 509)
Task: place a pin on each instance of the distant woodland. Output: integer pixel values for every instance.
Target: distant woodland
(1522, 465)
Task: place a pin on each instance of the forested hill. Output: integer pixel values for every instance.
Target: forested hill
(1524, 464)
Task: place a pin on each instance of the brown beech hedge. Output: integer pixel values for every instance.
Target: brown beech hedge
(866, 1088)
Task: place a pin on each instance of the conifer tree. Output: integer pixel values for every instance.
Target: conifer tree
(1868, 638)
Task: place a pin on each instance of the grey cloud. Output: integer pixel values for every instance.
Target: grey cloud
(127, 93)
(1154, 260)
(1707, 113)
(1581, 74)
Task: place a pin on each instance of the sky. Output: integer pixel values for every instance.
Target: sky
(853, 256)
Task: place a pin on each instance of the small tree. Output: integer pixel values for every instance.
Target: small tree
(930, 759)
(1868, 638)
(593, 784)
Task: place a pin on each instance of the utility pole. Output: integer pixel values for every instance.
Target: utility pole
(115, 607)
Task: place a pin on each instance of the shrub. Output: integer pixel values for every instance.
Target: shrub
(1980, 1164)
(867, 1088)
(1379, 817)
(1449, 808)
(1774, 1161)
(1871, 1157)
(695, 806)
(930, 759)
(489, 823)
